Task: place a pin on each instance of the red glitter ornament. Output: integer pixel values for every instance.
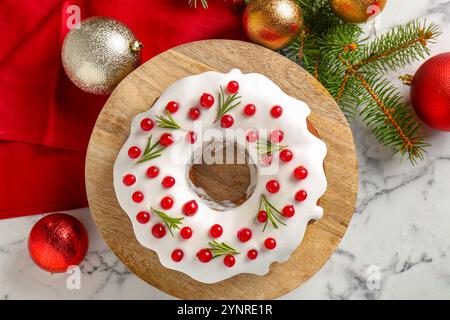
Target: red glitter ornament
(58, 241)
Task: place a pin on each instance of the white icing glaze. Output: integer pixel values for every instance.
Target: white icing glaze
(309, 151)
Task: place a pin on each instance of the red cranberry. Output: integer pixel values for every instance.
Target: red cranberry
(276, 111)
(186, 233)
(147, 124)
(244, 234)
(216, 231)
(252, 254)
(262, 216)
(252, 136)
(166, 203)
(166, 140)
(300, 173)
(191, 137)
(250, 110)
(159, 230)
(286, 155)
(301, 196)
(129, 180)
(204, 255)
(152, 172)
(206, 100)
(172, 107)
(143, 217)
(190, 208)
(194, 113)
(138, 196)
(168, 182)
(288, 211)
(229, 261)
(226, 121)
(276, 136)
(270, 243)
(273, 186)
(177, 255)
(233, 87)
(134, 152)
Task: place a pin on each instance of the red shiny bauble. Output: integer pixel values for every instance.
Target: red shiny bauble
(430, 92)
(58, 241)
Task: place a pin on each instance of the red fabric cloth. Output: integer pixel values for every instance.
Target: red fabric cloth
(45, 121)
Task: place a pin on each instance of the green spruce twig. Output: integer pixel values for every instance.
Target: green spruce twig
(167, 121)
(170, 222)
(227, 103)
(221, 249)
(273, 214)
(152, 151)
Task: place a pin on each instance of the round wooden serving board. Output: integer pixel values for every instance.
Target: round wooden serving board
(140, 90)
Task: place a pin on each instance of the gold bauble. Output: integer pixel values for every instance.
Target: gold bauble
(273, 23)
(99, 54)
(357, 11)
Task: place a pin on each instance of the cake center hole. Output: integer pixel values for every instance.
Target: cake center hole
(222, 174)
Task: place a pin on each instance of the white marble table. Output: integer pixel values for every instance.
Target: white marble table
(399, 235)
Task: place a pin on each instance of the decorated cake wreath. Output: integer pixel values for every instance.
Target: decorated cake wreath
(211, 242)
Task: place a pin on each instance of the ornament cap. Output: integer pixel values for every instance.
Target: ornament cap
(136, 46)
(407, 79)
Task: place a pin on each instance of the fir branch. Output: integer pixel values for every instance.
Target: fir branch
(227, 103)
(151, 151)
(221, 249)
(268, 148)
(170, 222)
(399, 47)
(167, 121)
(273, 214)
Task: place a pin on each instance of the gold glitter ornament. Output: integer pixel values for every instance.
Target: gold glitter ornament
(357, 11)
(273, 23)
(99, 54)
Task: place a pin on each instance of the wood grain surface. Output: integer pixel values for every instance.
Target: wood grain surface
(140, 90)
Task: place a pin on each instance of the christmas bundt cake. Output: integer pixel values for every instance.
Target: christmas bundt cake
(172, 177)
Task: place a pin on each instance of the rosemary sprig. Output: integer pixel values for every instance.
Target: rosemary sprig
(226, 104)
(268, 148)
(273, 214)
(170, 222)
(221, 249)
(167, 121)
(151, 151)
